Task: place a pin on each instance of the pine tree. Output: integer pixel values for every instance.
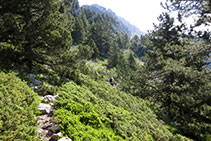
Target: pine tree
(114, 55)
(199, 9)
(93, 46)
(78, 33)
(132, 61)
(37, 29)
(178, 79)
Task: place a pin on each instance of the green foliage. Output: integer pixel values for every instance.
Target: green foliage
(132, 61)
(18, 106)
(185, 9)
(114, 55)
(9, 53)
(78, 119)
(36, 29)
(93, 46)
(78, 32)
(177, 78)
(70, 60)
(101, 33)
(95, 110)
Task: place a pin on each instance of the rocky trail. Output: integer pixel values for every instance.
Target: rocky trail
(48, 128)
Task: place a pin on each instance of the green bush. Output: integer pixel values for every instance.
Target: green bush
(18, 106)
(95, 110)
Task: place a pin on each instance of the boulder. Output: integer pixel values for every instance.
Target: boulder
(44, 108)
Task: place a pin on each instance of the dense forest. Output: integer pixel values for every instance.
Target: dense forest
(162, 79)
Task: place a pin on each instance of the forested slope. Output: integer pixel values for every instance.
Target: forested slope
(54, 47)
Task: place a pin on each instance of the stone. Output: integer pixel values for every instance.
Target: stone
(41, 97)
(50, 98)
(44, 108)
(35, 69)
(31, 76)
(59, 134)
(55, 137)
(65, 139)
(35, 89)
(36, 82)
(40, 131)
(55, 128)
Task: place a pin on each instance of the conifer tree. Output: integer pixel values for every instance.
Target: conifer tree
(93, 46)
(78, 33)
(176, 73)
(36, 28)
(132, 61)
(114, 55)
(199, 9)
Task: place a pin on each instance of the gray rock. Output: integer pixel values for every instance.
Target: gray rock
(55, 128)
(55, 137)
(65, 139)
(40, 131)
(44, 108)
(36, 82)
(35, 89)
(59, 134)
(35, 69)
(31, 76)
(41, 97)
(50, 98)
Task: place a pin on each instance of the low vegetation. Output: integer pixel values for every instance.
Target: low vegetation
(18, 108)
(162, 79)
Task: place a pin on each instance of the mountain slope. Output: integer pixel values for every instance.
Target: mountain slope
(122, 24)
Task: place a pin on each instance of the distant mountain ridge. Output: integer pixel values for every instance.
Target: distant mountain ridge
(123, 25)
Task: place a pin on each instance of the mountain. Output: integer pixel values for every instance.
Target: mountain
(122, 26)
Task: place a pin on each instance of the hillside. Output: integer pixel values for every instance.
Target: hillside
(73, 73)
(122, 25)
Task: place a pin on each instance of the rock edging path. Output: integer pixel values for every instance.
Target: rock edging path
(48, 129)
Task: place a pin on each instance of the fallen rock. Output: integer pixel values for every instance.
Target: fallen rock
(65, 139)
(44, 108)
(50, 98)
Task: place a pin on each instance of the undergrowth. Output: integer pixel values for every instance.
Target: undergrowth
(18, 107)
(94, 110)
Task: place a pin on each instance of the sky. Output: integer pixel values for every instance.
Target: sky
(141, 13)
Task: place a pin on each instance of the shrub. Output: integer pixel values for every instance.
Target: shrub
(18, 106)
(94, 107)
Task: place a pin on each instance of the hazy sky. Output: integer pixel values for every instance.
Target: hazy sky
(141, 13)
